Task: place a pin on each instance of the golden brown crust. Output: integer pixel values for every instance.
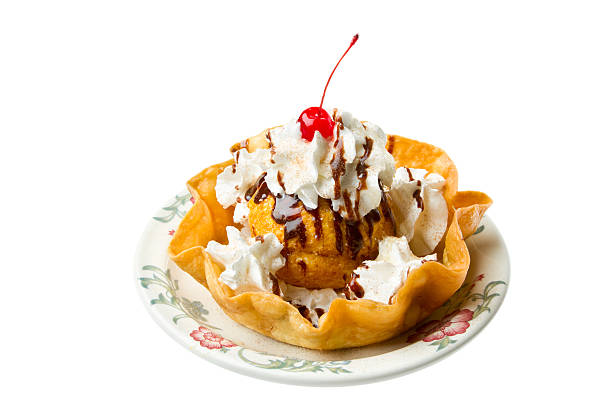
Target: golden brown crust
(347, 323)
(318, 264)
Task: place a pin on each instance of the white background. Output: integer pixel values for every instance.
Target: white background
(107, 107)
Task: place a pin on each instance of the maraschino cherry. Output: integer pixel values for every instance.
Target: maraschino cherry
(316, 118)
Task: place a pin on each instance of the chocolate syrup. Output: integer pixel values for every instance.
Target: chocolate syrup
(303, 266)
(287, 211)
(350, 212)
(338, 163)
(362, 173)
(355, 287)
(272, 149)
(314, 213)
(338, 231)
(409, 173)
(253, 189)
(320, 312)
(384, 205)
(304, 311)
(235, 162)
(279, 178)
(275, 286)
(354, 239)
(371, 218)
(417, 196)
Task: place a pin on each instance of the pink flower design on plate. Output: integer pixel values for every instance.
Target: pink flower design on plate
(449, 325)
(171, 232)
(209, 339)
(192, 200)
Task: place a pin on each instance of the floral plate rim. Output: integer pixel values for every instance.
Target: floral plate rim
(151, 251)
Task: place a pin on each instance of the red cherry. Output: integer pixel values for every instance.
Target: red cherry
(317, 118)
(313, 119)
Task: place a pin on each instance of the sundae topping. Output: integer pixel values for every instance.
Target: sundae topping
(235, 180)
(315, 119)
(346, 171)
(312, 303)
(249, 262)
(381, 278)
(419, 208)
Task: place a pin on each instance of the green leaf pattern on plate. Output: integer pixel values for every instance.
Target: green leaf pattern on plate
(175, 209)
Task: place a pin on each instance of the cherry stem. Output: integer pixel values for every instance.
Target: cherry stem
(355, 38)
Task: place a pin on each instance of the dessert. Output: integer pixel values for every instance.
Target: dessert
(328, 233)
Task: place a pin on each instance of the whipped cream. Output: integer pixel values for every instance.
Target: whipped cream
(419, 208)
(317, 301)
(382, 277)
(345, 170)
(249, 262)
(235, 180)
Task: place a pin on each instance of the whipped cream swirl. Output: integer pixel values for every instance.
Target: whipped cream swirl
(345, 170)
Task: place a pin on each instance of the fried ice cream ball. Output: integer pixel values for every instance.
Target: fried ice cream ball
(321, 248)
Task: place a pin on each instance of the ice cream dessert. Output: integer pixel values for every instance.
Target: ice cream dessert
(328, 233)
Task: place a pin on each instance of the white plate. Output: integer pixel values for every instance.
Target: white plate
(187, 312)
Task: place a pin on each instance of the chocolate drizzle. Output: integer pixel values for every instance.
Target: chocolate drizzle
(350, 213)
(287, 211)
(275, 286)
(338, 164)
(272, 149)
(355, 287)
(320, 312)
(371, 218)
(362, 173)
(409, 173)
(235, 162)
(255, 187)
(304, 311)
(279, 178)
(417, 196)
(303, 266)
(354, 239)
(384, 205)
(338, 231)
(318, 225)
